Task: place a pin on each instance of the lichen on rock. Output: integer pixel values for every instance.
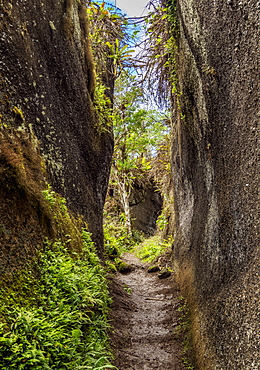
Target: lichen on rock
(216, 177)
(47, 85)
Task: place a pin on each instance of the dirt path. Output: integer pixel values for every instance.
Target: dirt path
(145, 317)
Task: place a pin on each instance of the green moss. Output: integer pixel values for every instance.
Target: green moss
(66, 227)
(123, 267)
(183, 333)
(53, 312)
(153, 268)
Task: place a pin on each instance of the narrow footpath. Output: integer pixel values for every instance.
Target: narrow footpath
(145, 318)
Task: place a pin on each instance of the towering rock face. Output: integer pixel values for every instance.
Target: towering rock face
(145, 206)
(46, 86)
(216, 173)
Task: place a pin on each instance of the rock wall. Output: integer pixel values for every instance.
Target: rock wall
(216, 178)
(46, 87)
(145, 206)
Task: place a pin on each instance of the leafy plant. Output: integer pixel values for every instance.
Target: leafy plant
(66, 227)
(102, 105)
(116, 237)
(63, 324)
(127, 289)
(110, 35)
(152, 248)
(119, 55)
(159, 50)
(108, 42)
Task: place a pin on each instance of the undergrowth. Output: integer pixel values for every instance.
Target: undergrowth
(54, 315)
(152, 248)
(117, 241)
(183, 331)
(53, 311)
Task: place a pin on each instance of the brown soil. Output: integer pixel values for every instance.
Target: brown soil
(145, 319)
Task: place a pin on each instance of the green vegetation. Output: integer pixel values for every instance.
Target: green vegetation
(102, 106)
(117, 238)
(66, 227)
(117, 241)
(106, 32)
(183, 331)
(127, 289)
(159, 51)
(53, 314)
(138, 133)
(56, 317)
(152, 248)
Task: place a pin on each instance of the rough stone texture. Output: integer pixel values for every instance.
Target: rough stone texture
(216, 178)
(46, 85)
(25, 218)
(145, 206)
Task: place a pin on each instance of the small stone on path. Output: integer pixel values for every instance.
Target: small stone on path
(154, 268)
(144, 321)
(164, 274)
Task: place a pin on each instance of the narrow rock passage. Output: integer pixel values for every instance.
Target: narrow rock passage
(145, 317)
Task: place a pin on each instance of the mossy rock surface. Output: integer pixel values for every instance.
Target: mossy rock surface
(154, 268)
(163, 274)
(124, 268)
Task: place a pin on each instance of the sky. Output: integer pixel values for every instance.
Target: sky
(133, 8)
